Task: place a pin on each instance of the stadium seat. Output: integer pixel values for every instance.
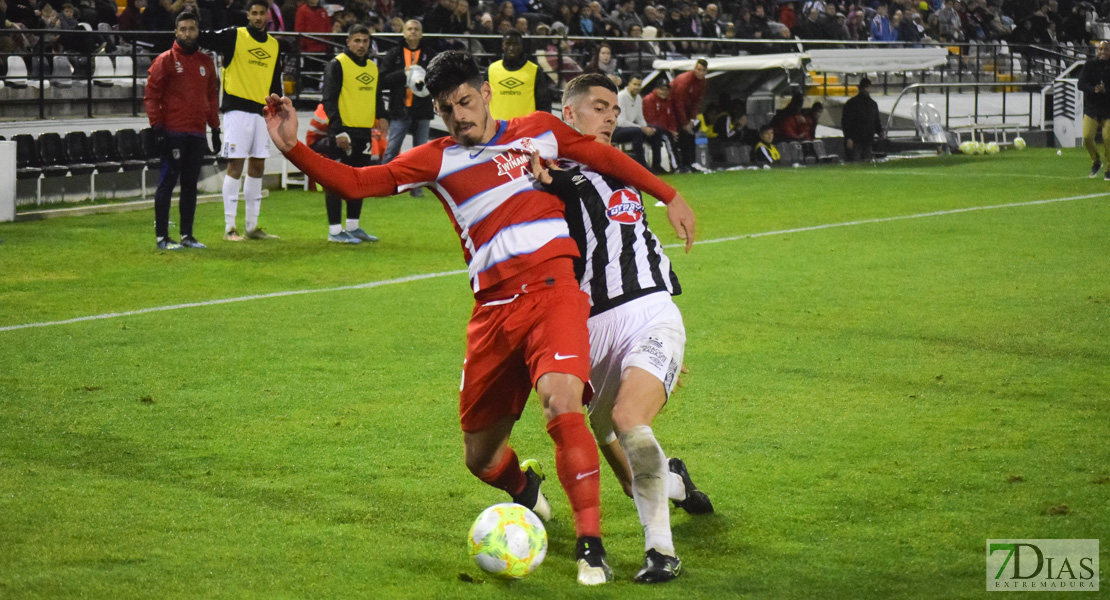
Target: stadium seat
(27, 160)
(124, 71)
(52, 150)
(63, 72)
(40, 74)
(128, 151)
(104, 153)
(17, 72)
(800, 155)
(103, 71)
(79, 153)
(822, 154)
(148, 147)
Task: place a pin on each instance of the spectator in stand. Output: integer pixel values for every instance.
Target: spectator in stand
(1075, 25)
(860, 122)
(659, 113)
(410, 111)
(689, 91)
(632, 128)
(948, 26)
(831, 24)
(625, 15)
(438, 18)
(312, 18)
(764, 152)
(856, 26)
(881, 29)
(604, 62)
(204, 16)
(809, 27)
(653, 17)
(506, 16)
(587, 23)
(461, 23)
(711, 25)
(131, 19)
(787, 16)
(159, 16)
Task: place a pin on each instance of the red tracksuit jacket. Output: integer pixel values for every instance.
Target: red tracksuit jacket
(182, 92)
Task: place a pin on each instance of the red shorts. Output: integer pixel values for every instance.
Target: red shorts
(510, 345)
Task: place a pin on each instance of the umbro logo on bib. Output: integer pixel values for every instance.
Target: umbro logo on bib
(511, 82)
(259, 53)
(365, 79)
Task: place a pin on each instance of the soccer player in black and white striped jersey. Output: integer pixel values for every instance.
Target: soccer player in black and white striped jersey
(636, 333)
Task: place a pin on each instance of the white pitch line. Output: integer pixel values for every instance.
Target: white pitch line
(889, 219)
(409, 278)
(142, 311)
(903, 172)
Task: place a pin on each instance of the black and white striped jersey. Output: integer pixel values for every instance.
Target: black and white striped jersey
(621, 259)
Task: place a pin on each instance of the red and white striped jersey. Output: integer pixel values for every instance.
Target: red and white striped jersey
(507, 225)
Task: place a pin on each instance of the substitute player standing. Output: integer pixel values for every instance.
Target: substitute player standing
(528, 325)
(352, 102)
(181, 99)
(1093, 81)
(636, 333)
(251, 59)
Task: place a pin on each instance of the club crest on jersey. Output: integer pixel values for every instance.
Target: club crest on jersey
(625, 207)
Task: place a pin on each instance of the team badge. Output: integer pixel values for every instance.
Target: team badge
(202, 73)
(625, 207)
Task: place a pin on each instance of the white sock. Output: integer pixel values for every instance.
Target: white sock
(231, 202)
(676, 490)
(649, 471)
(252, 194)
(352, 224)
(334, 229)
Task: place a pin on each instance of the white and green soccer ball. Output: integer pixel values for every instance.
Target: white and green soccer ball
(508, 540)
(1019, 143)
(991, 148)
(967, 147)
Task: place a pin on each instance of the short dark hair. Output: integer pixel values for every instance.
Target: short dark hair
(766, 128)
(251, 3)
(702, 62)
(185, 16)
(865, 82)
(580, 86)
(358, 28)
(513, 33)
(450, 69)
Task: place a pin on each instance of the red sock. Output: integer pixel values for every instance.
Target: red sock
(578, 467)
(507, 474)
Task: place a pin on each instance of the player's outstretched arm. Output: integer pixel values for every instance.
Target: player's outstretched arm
(346, 181)
(681, 217)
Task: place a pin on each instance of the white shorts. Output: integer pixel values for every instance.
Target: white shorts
(646, 333)
(245, 136)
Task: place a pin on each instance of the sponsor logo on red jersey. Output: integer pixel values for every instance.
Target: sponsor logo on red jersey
(625, 207)
(513, 163)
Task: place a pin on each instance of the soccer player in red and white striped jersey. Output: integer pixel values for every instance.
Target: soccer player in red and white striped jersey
(528, 328)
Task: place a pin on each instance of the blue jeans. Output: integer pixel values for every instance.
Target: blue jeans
(399, 128)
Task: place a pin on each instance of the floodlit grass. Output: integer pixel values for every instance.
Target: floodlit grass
(868, 403)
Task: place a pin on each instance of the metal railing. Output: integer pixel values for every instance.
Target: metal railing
(968, 63)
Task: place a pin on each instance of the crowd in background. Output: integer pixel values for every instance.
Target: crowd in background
(620, 21)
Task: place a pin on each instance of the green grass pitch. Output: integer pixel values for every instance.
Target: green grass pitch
(888, 367)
